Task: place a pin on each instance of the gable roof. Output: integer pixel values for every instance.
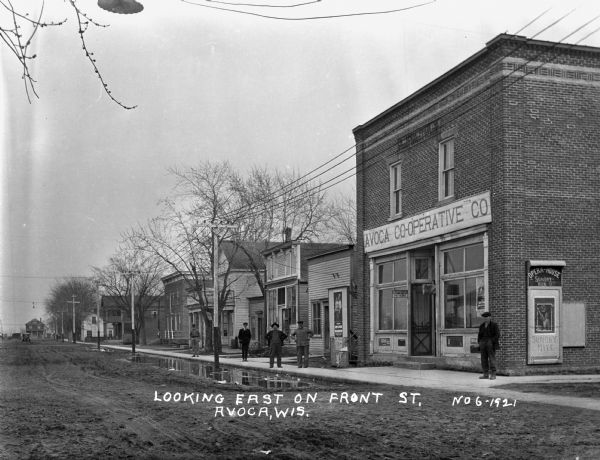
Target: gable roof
(245, 255)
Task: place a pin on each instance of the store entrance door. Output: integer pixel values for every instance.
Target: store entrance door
(422, 319)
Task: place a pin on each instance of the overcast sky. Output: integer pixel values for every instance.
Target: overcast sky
(77, 170)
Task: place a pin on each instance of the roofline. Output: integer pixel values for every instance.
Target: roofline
(347, 247)
(469, 60)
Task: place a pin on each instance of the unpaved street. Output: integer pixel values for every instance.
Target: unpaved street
(71, 401)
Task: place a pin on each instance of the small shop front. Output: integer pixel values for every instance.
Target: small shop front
(428, 279)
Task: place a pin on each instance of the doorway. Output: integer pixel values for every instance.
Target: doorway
(422, 326)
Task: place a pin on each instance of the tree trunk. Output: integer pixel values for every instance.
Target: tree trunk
(208, 327)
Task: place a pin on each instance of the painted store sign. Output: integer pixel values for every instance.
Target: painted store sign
(438, 221)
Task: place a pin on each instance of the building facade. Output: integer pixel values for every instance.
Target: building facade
(329, 282)
(180, 309)
(35, 328)
(490, 204)
(287, 283)
(92, 326)
(242, 270)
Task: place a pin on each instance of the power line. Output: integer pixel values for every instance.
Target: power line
(308, 18)
(427, 106)
(340, 177)
(319, 187)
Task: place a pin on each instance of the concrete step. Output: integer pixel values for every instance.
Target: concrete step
(415, 365)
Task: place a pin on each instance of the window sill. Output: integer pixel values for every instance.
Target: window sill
(447, 200)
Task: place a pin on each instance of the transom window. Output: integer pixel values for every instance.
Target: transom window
(446, 179)
(395, 190)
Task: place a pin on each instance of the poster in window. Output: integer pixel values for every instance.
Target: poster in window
(544, 316)
(480, 295)
(338, 321)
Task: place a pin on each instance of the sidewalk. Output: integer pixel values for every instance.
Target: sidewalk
(411, 380)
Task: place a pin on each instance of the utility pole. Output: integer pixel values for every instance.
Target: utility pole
(98, 325)
(73, 302)
(216, 333)
(132, 318)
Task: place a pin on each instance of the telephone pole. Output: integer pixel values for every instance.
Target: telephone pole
(216, 333)
(73, 302)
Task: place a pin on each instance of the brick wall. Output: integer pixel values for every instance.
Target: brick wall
(533, 142)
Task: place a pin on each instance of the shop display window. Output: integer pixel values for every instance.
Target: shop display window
(464, 286)
(392, 295)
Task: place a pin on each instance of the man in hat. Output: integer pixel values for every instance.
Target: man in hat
(302, 341)
(275, 339)
(195, 341)
(244, 337)
(488, 336)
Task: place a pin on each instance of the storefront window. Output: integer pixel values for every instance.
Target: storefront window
(392, 292)
(386, 307)
(464, 286)
(291, 302)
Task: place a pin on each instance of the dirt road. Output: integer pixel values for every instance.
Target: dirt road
(70, 401)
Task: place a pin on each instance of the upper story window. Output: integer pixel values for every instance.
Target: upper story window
(281, 264)
(395, 190)
(446, 179)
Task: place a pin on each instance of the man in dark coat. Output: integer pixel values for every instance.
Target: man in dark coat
(244, 337)
(275, 339)
(488, 336)
(302, 343)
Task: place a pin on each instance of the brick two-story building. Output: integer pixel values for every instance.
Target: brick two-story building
(492, 204)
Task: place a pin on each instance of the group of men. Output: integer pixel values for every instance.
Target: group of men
(275, 340)
(488, 339)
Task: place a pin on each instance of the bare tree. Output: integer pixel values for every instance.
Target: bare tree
(182, 237)
(212, 203)
(342, 219)
(132, 269)
(59, 304)
(271, 201)
(20, 25)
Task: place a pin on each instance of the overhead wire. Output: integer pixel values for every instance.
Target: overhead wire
(309, 18)
(456, 89)
(373, 159)
(519, 68)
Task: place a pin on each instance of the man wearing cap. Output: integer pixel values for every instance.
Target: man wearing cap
(488, 336)
(275, 339)
(244, 337)
(302, 341)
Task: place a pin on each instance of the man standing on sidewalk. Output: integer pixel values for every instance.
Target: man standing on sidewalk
(302, 342)
(488, 336)
(275, 339)
(195, 341)
(244, 337)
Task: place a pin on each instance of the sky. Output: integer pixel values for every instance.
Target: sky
(77, 170)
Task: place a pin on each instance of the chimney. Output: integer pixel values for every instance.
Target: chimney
(287, 234)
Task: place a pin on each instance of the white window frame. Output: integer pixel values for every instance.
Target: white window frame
(316, 307)
(461, 276)
(390, 285)
(396, 190)
(446, 170)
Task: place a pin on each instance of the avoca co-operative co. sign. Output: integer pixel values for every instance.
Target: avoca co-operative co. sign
(457, 215)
